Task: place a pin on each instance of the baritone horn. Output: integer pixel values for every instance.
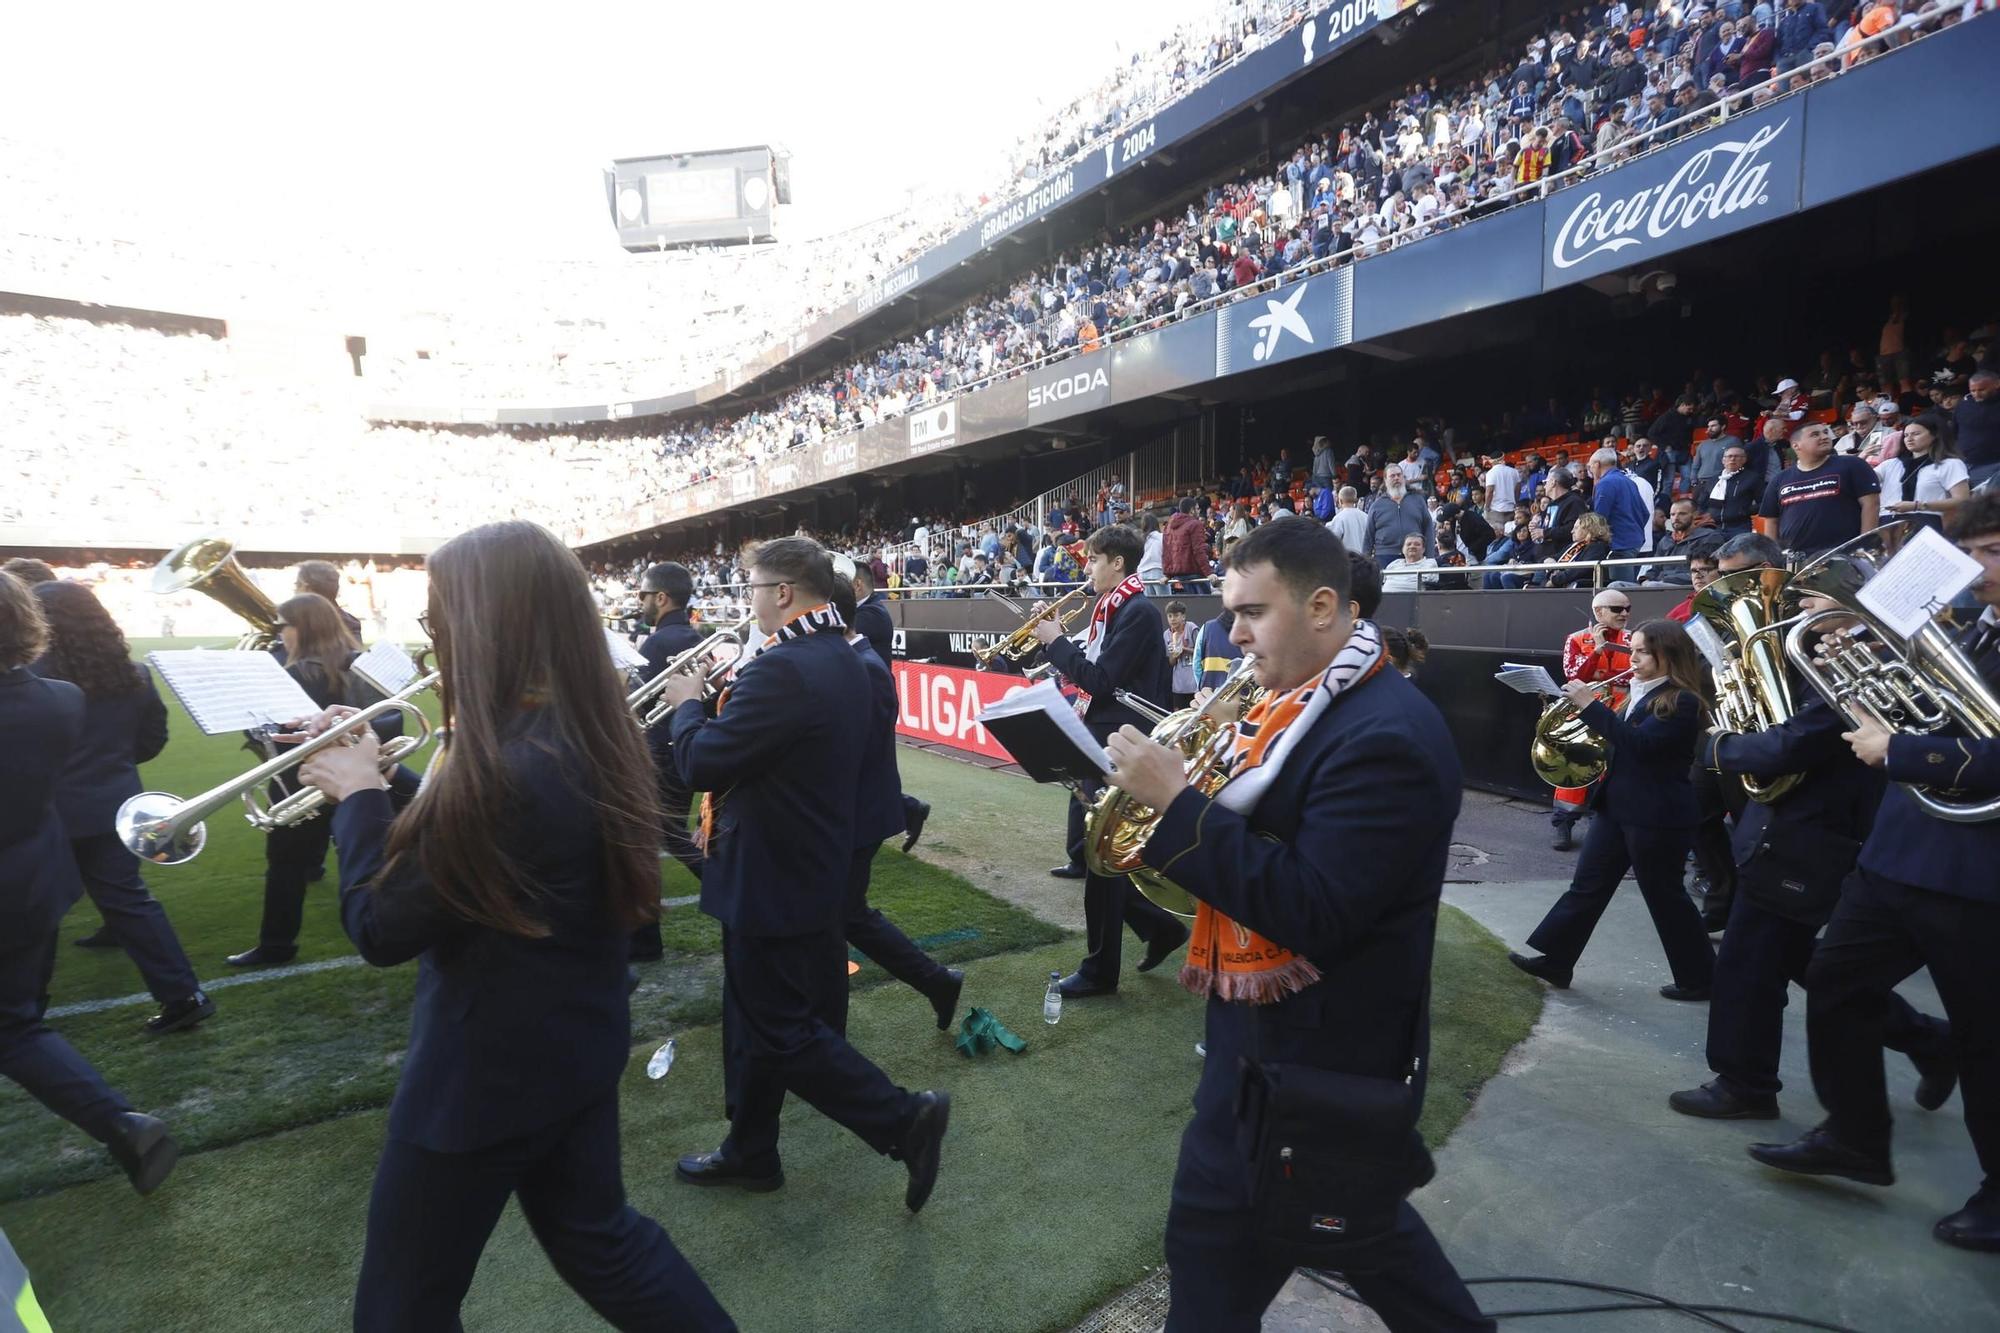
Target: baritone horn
(158, 827)
(715, 657)
(209, 565)
(1752, 693)
(1117, 827)
(1917, 686)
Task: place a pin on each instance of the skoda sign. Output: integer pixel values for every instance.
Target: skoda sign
(1069, 388)
(1728, 178)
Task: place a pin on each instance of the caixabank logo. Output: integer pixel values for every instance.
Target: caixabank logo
(933, 428)
(1298, 319)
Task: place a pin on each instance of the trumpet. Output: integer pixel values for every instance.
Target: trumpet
(644, 701)
(1565, 752)
(166, 830)
(1018, 645)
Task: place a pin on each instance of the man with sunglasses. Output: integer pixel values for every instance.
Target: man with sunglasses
(1600, 652)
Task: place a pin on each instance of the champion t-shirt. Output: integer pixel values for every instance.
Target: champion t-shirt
(1819, 509)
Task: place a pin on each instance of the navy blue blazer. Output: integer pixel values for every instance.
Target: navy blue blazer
(1835, 791)
(873, 622)
(1647, 784)
(40, 721)
(783, 759)
(120, 732)
(507, 1035)
(1342, 860)
(1910, 846)
(878, 803)
(1134, 658)
(672, 636)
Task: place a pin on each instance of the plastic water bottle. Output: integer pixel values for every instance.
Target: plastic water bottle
(1052, 999)
(662, 1061)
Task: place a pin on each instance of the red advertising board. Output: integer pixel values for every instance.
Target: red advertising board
(938, 704)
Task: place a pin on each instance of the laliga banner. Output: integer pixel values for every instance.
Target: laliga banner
(938, 704)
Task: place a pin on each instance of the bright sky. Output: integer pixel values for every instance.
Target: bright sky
(415, 124)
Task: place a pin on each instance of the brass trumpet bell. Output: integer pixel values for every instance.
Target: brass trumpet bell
(209, 566)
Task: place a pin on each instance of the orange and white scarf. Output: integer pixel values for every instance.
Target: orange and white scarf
(1100, 627)
(813, 620)
(1225, 958)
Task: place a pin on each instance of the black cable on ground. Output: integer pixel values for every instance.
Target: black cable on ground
(1643, 1300)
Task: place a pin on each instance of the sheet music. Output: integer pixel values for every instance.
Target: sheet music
(1707, 642)
(1527, 679)
(1918, 582)
(387, 667)
(623, 655)
(229, 691)
(1046, 698)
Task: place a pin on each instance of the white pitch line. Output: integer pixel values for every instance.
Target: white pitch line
(261, 974)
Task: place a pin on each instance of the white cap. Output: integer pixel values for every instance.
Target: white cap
(1786, 384)
(843, 565)
(1887, 407)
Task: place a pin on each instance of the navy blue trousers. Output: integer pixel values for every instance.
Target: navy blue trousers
(133, 916)
(879, 939)
(431, 1212)
(1656, 857)
(34, 1055)
(1110, 904)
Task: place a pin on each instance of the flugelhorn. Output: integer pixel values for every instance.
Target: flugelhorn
(166, 830)
(1064, 611)
(644, 701)
(1116, 827)
(1918, 686)
(209, 565)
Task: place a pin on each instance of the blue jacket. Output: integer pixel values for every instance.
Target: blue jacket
(873, 623)
(40, 722)
(1646, 785)
(672, 636)
(1134, 659)
(1617, 498)
(1342, 861)
(507, 1035)
(1836, 791)
(120, 732)
(1801, 29)
(783, 759)
(878, 797)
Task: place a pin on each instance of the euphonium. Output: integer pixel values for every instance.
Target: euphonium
(725, 647)
(1921, 685)
(1064, 611)
(209, 565)
(166, 830)
(1752, 693)
(1117, 827)
(1565, 752)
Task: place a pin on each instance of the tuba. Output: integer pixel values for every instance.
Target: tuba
(1919, 686)
(1116, 827)
(1565, 752)
(1752, 692)
(209, 565)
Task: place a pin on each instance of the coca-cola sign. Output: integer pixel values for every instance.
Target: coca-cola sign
(1734, 176)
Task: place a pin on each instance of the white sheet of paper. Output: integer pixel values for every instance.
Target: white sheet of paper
(1527, 679)
(387, 667)
(623, 655)
(228, 691)
(1707, 642)
(1918, 582)
(1046, 698)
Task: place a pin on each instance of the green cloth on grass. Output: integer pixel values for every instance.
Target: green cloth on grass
(981, 1032)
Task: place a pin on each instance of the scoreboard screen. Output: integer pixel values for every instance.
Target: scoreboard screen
(717, 197)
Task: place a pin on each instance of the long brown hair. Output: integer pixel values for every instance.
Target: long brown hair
(515, 629)
(86, 647)
(323, 636)
(1668, 642)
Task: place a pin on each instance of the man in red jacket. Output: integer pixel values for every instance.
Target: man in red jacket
(1184, 555)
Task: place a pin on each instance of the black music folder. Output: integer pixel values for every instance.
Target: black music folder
(1048, 740)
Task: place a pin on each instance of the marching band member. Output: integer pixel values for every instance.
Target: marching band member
(1318, 868)
(878, 816)
(781, 761)
(515, 878)
(1645, 817)
(1926, 896)
(1599, 653)
(873, 623)
(41, 722)
(664, 593)
(124, 725)
(1793, 854)
(1126, 648)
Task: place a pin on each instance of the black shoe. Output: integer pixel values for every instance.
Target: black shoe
(1818, 1153)
(1564, 841)
(1973, 1227)
(1937, 1075)
(1068, 872)
(712, 1168)
(1076, 987)
(922, 1143)
(1544, 967)
(1158, 949)
(264, 955)
(945, 999)
(101, 938)
(1712, 1101)
(1673, 990)
(181, 1014)
(142, 1146)
(915, 812)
